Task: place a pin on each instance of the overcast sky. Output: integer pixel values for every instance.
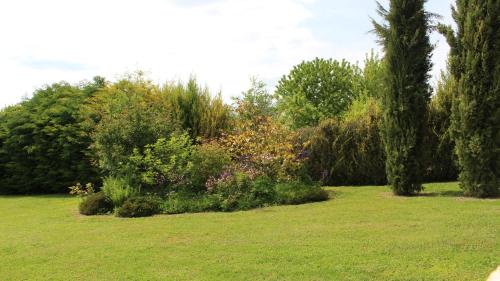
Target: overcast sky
(222, 42)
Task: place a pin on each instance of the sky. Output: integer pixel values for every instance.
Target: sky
(221, 42)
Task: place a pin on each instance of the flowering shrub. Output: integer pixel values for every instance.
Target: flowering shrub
(264, 147)
(81, 191)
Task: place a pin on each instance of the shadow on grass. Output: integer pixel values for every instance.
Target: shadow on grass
(446, 193)
(35, 196)
(453, 193)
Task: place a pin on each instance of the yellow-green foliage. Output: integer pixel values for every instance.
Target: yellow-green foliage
(125, 116)
(349, 150)
(263, 146)
(202, 114)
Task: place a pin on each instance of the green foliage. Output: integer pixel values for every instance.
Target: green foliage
(299, 193)
(141, 206)
(209, 160)
(316, 90)
(349, 150)
(262, 190)
(232, 188)
(197, 111)
(178, 203)
(165, 165)
(118, 189)
(127, 115)
(374, 77)
(405, 38)
(255, 102)
(95, 204)
(475, 66)
(440, 163)
(43, 145)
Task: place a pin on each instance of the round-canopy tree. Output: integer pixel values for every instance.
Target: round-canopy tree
(316, 90)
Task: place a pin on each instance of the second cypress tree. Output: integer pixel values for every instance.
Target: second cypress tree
(475, 66)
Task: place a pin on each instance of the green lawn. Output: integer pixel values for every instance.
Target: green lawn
(362, 233)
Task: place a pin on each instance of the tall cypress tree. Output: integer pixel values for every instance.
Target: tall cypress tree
(474, 61)
(405, 38)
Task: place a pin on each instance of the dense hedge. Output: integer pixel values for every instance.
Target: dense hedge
(349, 151)
(43, 144)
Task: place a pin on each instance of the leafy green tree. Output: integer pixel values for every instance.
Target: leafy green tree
(123, 117)
(374, 77)
(256, 101)
(43, 143)
(316, 90)
(405, 37)
(475, 66)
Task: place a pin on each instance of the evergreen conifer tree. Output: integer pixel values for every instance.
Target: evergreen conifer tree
(405, 38)
(474, 61)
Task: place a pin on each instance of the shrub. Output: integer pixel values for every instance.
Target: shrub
(126, 115)
(95, 204)
(298, 192)
(142, 206)
(118, 189)
(178, 203)
(165, 165)
(262, 190)
(263, 147)
(209, 160)
(348, 151)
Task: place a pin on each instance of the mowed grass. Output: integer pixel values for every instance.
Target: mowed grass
(362, 233)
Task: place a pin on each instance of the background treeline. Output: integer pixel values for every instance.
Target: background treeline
(330, 111)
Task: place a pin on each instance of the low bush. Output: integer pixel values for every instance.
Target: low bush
(262, 190)
(299, 193)
(209, 160)
(190, 203)
(141, 206)
(165, 165)
(118, 189)
(95, 204)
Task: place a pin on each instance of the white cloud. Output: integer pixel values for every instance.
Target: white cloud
(221, 42)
